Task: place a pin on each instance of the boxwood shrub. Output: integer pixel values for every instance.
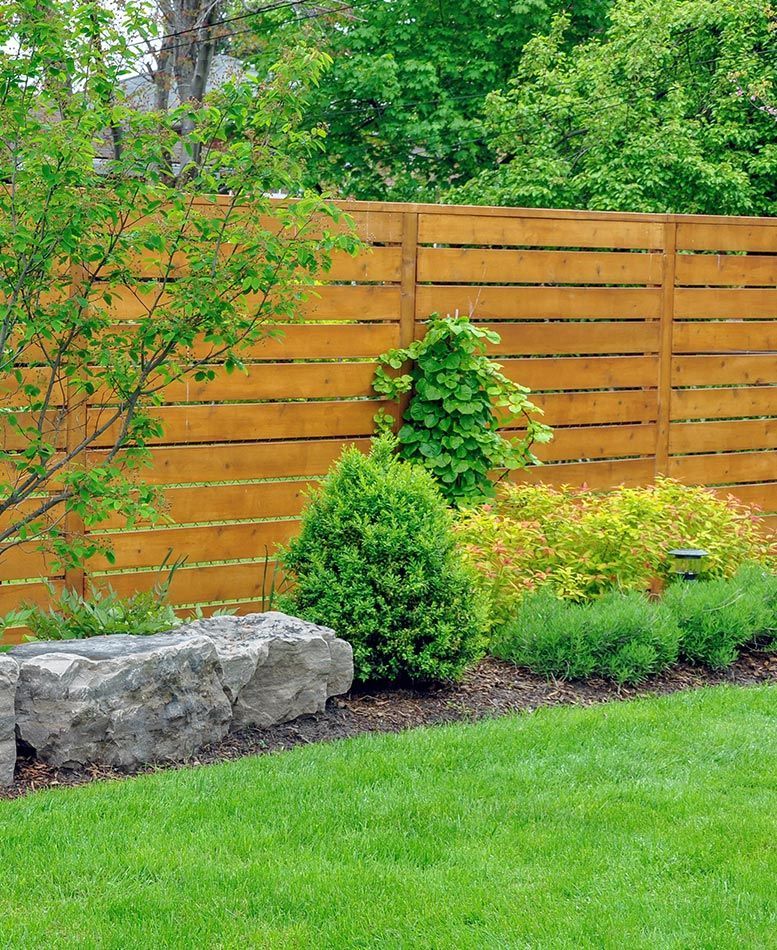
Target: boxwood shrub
(376, 559)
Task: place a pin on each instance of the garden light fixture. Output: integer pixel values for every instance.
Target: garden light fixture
(688, 562)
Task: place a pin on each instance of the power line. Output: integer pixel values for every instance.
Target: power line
(259, 11)
(342, 8)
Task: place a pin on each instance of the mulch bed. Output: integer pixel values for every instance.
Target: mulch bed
(494, 688)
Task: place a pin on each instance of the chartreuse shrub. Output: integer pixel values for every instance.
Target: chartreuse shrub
(377, 560)
(582, 544)
(459, 400)
(622, 636)
(717, 617)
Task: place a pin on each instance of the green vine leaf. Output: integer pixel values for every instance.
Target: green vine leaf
(460, 399)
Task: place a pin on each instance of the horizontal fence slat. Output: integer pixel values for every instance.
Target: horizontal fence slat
(724, 337)
(500, 266)
(203, 543)
(763, 496)
(205, 584)
(256, 421)
(277, 381)
(725, 303)
(597, 442)
(539, 303)
(566, 338)
(371, 264)
(593, 475)
(721, 236)
(724, 469)
(720, 270)
(14, 596)
(568, 409)
(538, 232)
(731, 436)
(730, 337)
(239, 461)
(754, 369)
(214, 502)
(23, 561)
(324, 302)
(724, 403)
(326, 341)
(595, 372)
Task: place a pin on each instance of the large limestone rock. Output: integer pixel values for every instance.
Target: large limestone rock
(119, 700)
(275, 667)
(9, 674)
(126, 700)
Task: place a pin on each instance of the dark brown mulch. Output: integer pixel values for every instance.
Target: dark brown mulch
(494, 688)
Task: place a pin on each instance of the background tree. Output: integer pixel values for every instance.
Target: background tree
(120, 276)
(671, 110)
(402, 102)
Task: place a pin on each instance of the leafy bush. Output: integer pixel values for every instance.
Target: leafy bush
(583, 544)
(622, 636)
(459, 400)
(716, 618)
(376, 560)
(73, 617)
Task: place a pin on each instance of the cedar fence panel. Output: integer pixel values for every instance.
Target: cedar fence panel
(649, 340)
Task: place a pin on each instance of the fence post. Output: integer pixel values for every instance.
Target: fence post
(664, 416)
(409, 277)
(75, 428)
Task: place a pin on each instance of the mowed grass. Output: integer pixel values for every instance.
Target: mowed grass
(643, 824)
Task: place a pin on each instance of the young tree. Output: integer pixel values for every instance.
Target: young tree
(122, 274)
(669, 111)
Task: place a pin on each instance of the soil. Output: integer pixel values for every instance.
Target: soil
(493, 688)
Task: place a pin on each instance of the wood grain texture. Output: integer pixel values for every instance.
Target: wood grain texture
(539, 303)
(730, 337)
(528, 231)
(729, 436)
(437, 265)
(732, 270)
(724, 403)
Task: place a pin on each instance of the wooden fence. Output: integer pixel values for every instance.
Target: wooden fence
(650, 339)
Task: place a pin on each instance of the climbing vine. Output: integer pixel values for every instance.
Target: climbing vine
(460, 404)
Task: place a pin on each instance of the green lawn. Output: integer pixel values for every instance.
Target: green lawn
(642, 824)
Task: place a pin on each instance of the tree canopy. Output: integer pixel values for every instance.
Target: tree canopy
(402, 103)
(672, 109)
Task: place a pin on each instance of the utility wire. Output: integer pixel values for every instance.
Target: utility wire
(258, 12)
(342, 8)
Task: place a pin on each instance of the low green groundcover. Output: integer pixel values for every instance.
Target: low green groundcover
(647, 824)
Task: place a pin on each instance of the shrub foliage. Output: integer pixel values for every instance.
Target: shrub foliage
(459, 400)
(626, 637)
(718, 617)
(622, 636)
(376, 560)
(582, 544)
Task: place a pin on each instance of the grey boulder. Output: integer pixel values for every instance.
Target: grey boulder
(9, 674)
(119, 700)
(276, 667)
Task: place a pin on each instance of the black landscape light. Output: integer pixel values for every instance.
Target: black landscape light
(688, 562)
